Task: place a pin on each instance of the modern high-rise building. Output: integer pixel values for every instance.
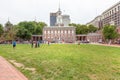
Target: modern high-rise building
(110, 16)
(53, 19)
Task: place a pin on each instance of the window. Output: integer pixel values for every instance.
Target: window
(115, 9)
(58, 31)
(68, 31)
(110, 12)
(52, 32)
(72, 32)
(55, 32)
(61, 31)
(65, 32)
(48, 32)
(45, 32)
(118, 7)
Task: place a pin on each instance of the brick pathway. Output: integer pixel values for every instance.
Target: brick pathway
(8, 72)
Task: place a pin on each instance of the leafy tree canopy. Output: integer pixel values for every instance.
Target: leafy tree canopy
(1, 30)
(84, 29)
(27, 29)
(109, 32)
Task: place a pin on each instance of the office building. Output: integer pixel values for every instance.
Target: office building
(110, 16)
(53, 19)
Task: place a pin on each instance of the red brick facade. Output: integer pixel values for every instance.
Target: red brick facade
(59, 34)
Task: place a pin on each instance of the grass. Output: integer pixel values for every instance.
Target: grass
(66, 61)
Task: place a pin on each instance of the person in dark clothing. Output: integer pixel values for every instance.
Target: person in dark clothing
(14, 44)
(32, 44)
(38, 43)
(78, 42)
(48, 42)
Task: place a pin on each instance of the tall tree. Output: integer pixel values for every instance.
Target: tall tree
(39, 28)
(8, 26)
(30, 26)
(27, 29)
(23, 33)
(92, 28)
(80, 29)
(1, 30)
(110, 33)
(11, 34)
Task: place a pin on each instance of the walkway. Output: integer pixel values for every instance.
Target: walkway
(8, 72)
(112, 45)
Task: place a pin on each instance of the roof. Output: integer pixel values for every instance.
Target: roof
(111, 7)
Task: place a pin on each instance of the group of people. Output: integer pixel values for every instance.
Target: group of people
(35, 44)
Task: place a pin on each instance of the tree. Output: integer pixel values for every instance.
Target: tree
(110, 33)
(80, 29)
(8, 26)
(39, 28)
(23, 33)
(83, 29)
(10, 34)
(30, 26)
(27, 29)
(92, 28)
(73, 24)
(1, 30)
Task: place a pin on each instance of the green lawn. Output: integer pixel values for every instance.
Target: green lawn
(66, 61)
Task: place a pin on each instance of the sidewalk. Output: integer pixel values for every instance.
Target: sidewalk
(112, 45)
(8, 72)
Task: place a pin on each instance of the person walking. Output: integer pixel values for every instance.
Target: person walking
(38, 43)
(48, 42)
(32, 44)
(14, 44)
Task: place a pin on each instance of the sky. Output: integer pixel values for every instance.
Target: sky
(80, 11)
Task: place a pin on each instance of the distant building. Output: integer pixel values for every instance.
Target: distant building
(53, 19)
(110, 16)
(59, 21)
(59, 34)
(57, 18)
(66, 20)
(59, 31)
(97, 22)
(91, 37)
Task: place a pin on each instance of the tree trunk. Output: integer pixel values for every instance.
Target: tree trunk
(110, 42)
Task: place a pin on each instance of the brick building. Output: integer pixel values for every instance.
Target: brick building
(59, 31)
(59, 34)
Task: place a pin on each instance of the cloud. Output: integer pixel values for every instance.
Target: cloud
(81, 11)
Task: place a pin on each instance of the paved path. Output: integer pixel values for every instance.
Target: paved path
(8, 72)
(112, 45)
